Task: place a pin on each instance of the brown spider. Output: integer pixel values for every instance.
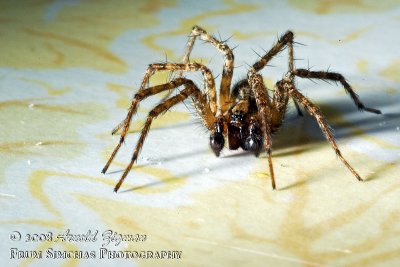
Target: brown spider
(246, 115)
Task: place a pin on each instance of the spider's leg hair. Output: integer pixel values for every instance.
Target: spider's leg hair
(226, 40)
(308, 65)
(297, 43)
(328, 68)
(119, 126)
(166, 56)
(256, 53)
(198, 117)
(336, 77)
(219, 35)
(190, 90)
(248, 66)
(263, 49)
(314, 111)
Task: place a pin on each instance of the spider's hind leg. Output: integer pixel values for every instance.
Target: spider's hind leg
(337, 77)
(314, 111)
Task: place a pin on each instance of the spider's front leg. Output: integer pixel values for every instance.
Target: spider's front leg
(132, 109)
(264, 107)
(227, 72)
(139, 96)
(208, 109)
(209, 83)
(190, 90)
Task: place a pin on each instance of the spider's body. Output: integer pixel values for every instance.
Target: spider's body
(244, 115)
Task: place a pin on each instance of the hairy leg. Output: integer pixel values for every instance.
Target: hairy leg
(284, 40)
(280, 98)
(337, 77)
(263, 104)
(190, 90)
(279, 104)
(199, 100)
(208, 81)
(227, 71)
(314, 111)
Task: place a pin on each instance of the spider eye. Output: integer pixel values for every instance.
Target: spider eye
(217, 142)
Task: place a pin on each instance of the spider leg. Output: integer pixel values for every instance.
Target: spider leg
(337, 77)
(190, 90)
(283, 41)
(208, 81)
(132, 109)
(314, 111)
(200, 104)
(279, 104)
(139, 96)
(264, 107)
(227, 71)
(119, 126)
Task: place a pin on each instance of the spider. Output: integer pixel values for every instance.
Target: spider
(244, 113)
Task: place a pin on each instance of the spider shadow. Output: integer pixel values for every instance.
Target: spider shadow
(304, 132)
(179, 156)
(152, 184)
(164, 127)
(305, 129)
(181, 176)
(298, 183)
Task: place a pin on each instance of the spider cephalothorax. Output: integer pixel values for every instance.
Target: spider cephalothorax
(245, 114)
